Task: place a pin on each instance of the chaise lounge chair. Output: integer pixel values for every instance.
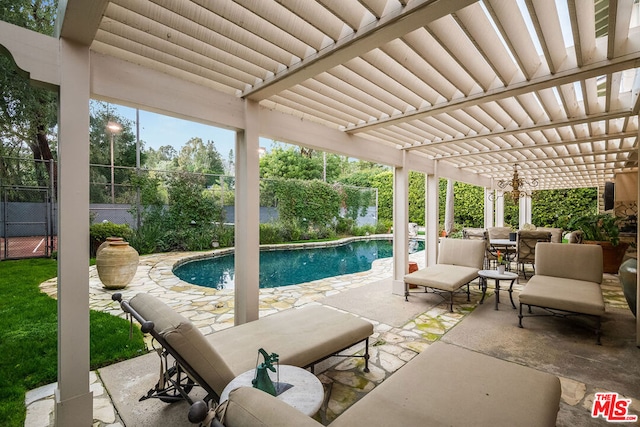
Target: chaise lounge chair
(458, 264)
(301, 337)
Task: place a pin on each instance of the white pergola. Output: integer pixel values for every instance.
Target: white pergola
(458, 89)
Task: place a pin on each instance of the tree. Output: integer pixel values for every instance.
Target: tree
(28, 114)
(230, 164)
(198, 157)
(161, 158)
(294, 162)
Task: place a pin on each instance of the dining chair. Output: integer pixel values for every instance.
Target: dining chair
(499, 232)
(526, 242)
(481, 234)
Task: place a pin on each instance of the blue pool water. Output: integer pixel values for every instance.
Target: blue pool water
(292, 266)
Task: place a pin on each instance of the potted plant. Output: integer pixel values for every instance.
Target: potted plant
(603, 230)
(501, 262)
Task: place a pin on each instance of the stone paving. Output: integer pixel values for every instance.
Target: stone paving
(345, 383)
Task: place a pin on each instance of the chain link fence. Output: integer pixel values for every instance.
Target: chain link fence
(28, 208)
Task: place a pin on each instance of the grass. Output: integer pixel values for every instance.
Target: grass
(28, 336)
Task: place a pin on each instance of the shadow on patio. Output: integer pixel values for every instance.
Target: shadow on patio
(562, 347)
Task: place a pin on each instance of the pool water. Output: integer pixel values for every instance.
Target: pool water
(292, 266)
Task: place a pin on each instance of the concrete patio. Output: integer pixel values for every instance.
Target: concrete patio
(402, 330)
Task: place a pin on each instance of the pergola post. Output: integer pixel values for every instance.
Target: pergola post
(74, 401)
(431, 221)
(488, 208)
(499, 208)
(524, 214)
(247, 217)
(400, 226)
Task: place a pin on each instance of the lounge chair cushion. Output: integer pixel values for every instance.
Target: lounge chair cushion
(299, 336)
(187, 340)
(442, 276)
(577, 296)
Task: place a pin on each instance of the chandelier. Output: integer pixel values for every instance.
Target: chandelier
(517, 184)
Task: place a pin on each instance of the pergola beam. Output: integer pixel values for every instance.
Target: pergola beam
(525, 129)
(78, 20)
(415, 15)
(613, 136)
(561, 78)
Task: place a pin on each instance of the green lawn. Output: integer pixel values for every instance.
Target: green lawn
(28, 336)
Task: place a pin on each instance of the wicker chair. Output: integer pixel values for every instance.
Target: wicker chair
(526, 248)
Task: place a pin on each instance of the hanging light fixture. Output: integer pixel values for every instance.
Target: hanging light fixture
(517, 184)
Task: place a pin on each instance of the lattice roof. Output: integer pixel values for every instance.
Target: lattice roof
(550, 85)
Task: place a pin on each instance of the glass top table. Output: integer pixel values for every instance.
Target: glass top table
(497, 276)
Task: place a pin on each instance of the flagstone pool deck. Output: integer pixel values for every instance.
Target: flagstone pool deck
(212, 310)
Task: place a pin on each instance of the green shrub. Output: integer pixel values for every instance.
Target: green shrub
(224, 235)
(384, 226)
(99, 232)
(364, 230)
(344, 225)
(270, 234)
(146, 238)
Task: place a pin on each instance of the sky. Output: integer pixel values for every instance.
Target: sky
(157, 130)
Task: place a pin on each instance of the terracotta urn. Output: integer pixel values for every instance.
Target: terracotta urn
(106, 243)
(117, 264)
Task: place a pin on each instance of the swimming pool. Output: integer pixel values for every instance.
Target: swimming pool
(292, 266)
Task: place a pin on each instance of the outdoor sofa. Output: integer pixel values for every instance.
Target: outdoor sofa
(445, 385)
(567, 282)
(459, 261)
(301, 337)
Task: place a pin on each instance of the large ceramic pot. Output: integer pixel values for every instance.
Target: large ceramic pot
(628, 274)
(106, 243)
(117, 264)
(612, 256)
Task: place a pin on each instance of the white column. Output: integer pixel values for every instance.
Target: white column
(488, 208)
(499, 208)
(74, 401)
(247, 218)
(400, 226)
(524, 214)
(431, 221)
(449, 207)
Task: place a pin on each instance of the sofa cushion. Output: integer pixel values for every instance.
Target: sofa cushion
(447, 385)
(250, 407)
(577, 296)
(464, 252)
(579, 262)
(443, 276)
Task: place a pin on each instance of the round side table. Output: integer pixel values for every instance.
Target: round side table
(306, 393)
(497, 276)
